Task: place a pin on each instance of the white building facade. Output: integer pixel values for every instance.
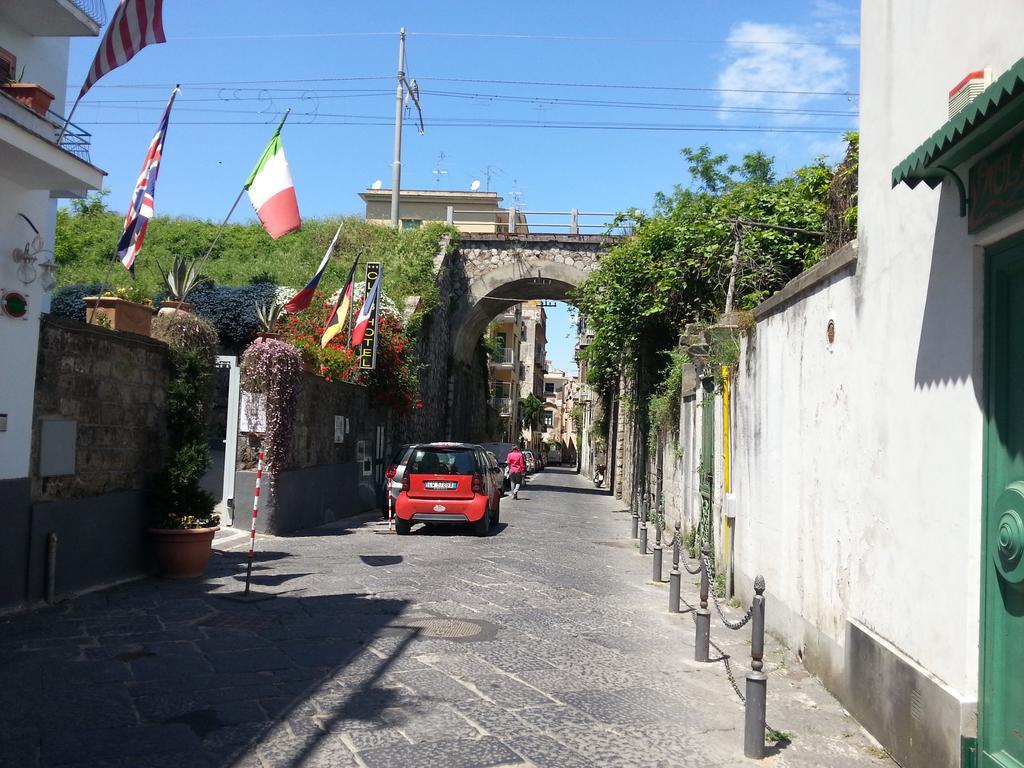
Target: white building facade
(34, 172)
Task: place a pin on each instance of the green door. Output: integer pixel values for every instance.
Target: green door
(1001, 696)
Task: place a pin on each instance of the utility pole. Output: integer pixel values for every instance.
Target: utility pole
(396, 166)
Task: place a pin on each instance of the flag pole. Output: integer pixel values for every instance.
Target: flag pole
(223, 224)
(67, 120)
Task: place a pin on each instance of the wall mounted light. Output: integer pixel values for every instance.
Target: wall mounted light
(49, 278)
(25, 258)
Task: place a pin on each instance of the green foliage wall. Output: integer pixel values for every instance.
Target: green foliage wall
(88, 230)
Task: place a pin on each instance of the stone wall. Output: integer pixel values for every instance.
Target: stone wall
(99, 408)
(482, 256)
(114, 386)
(327, 479)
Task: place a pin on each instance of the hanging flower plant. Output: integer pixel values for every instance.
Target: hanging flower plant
(272, 372)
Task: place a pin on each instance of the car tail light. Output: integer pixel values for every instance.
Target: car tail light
(390, 474)
(478, 482)
(405, 481)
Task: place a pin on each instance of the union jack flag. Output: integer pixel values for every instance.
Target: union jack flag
(134, 25)
(141, 209)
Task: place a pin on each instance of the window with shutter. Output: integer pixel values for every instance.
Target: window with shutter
(8, 66)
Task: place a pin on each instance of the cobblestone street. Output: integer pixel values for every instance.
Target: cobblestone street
(545, 644)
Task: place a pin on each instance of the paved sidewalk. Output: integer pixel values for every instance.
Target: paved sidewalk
(543, 645)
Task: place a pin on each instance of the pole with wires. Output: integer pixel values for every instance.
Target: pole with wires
(396, 164)
(405, 91)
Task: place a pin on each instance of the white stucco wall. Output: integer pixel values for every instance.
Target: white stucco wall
(860, 462)
(45, 61)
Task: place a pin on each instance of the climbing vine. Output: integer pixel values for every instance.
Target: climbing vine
(271, 373)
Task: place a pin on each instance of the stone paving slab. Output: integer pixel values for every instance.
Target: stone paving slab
(543, 645)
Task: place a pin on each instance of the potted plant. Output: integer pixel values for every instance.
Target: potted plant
(267, 315)
(184, 521)
(125, 309)
(179, 281)
(32, 95)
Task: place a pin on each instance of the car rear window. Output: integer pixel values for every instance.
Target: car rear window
(439, 461)
(400, 454)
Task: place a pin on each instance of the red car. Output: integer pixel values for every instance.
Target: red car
(449, 483)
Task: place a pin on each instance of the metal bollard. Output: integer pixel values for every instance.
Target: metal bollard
(643, 539)
(674, 576)
(757, 680)
(658, 554)
(636, 517)
(702, 644)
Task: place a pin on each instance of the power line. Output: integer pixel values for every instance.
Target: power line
(223, 84)
(539, 100)
(359, 120)
(638, 87)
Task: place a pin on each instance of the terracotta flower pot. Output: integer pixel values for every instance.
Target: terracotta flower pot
(168, 308)
(121, 315)
(32, 95)
(182, 553)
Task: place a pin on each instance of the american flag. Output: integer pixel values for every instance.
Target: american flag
(141, 209)
(135, 24)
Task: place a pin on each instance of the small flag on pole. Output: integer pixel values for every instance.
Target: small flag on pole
(342, 308)
(272, 191)
(134, 25)
(303, 298)
(366, 313)
(140, 211)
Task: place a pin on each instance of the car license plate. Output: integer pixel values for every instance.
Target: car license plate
(440, 485)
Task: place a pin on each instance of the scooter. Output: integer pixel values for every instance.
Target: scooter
(599, 475)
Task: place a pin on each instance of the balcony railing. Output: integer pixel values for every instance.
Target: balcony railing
(75, 140)
(503, 405)
(503, 357)
(513, 221)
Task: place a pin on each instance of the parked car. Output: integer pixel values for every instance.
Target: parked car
(500, 451)
(555, 455)
(531, 462)
(449, 483)
(393, 474)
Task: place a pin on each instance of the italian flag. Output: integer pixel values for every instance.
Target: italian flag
(272, 192)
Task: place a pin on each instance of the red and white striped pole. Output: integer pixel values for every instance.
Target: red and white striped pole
(252, 525)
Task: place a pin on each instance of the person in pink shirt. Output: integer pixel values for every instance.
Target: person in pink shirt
(516, 469)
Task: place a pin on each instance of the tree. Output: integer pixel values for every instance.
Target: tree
(531, 412)
(675, 268)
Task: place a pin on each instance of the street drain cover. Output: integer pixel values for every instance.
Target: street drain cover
(443, 628)
(618, 544)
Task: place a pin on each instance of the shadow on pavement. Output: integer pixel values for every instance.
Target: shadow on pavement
(447, 529)
(162, 673)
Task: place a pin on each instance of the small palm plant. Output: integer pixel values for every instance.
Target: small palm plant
(182, 278)
(268, 314)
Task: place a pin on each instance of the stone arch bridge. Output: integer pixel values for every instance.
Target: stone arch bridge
(477, 281)
(488, 274)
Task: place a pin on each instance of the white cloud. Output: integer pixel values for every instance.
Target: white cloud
(773, 58)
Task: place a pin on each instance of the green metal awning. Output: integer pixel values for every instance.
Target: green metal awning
(993, 112)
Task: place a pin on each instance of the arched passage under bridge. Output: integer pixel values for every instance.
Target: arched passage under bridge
(500, 271)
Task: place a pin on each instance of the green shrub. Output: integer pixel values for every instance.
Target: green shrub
(67, 301)
(176, 500)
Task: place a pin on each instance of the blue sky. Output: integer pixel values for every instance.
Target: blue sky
(242, 63)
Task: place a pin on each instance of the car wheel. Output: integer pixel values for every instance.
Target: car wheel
(483, 526)
(402, 527)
